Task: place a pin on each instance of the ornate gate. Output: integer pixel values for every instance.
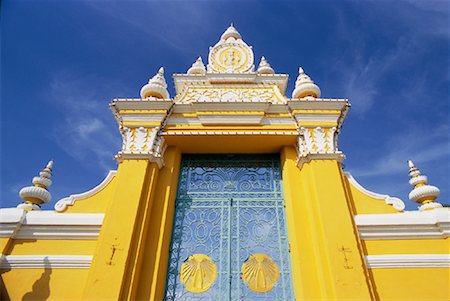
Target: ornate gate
(229, 238)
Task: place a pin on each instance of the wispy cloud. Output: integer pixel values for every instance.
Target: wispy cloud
(417, 144)
(363, 71)
(86, 129)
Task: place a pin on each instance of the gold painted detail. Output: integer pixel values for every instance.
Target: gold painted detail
(198, 273)
(331, 112)
(260, 273)
(142, 111)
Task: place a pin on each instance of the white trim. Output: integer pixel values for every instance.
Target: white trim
(62, 204)
(408, 261)
(45, 261)
(397, 203)
(49, 224)
(432, 224)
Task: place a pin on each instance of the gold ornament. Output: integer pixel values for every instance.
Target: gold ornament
(260, 273)
(198, 272)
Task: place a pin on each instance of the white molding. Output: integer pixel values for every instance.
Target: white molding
(397, 203)
(62, 204)
(237, 119)
(50, 225)
(45, 261)
(408, 261)
(227, 133)
(432, 224)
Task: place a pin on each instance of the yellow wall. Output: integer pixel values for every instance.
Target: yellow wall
(131, 254)
(327, 258)
(43, 284)
(424, 284)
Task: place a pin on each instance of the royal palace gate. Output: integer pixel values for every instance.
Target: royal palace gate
(229, 238)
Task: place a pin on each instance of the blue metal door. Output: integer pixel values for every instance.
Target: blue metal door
(229, 238)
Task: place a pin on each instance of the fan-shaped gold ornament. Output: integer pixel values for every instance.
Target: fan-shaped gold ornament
(260, 273)
(198, 272)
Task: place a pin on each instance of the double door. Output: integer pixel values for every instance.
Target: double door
(229, 238)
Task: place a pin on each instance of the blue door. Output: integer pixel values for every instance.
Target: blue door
(229, 238)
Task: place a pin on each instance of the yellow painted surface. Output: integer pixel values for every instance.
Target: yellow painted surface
(314, 112)
(4, 244)
(141, 123)
(364, 204)
(130, 112)
(418, 246)
(116, 248)
(325, 222)
(226, 128)
(152, 281)
(52, 247)
(315, 123)
(424, 284)
(43, 284)
(97, 203)
(198, 144)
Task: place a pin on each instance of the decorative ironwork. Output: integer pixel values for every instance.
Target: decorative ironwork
(229, 208)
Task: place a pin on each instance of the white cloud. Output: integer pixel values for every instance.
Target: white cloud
(85, 129)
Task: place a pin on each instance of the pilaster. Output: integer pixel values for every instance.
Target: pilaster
(324, 242)
(112, 264)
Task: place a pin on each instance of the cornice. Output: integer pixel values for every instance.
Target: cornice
(432, 224)
(45, 261)
(408, 261)
(21, 224)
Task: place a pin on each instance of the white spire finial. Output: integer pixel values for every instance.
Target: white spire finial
(156, 87)
(264, 67)
(231, 32)
(37, 194)
(197, 67)
(304, 86)
(422, 193)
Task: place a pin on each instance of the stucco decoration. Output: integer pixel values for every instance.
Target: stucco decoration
(422, 193)
(156, 87)
(36, 195)
(317, 143)
(142, 143)
(264, 67)
(231, 54)
(256, 93)
(305, 87)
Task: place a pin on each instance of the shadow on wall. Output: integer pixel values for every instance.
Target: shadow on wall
(41, 288)
(3, 292)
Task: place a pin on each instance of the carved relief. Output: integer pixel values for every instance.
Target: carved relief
(142, 141)
(235, 94)
(318, 142)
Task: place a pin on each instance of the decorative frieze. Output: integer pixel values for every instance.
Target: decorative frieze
(142, 143)
(317, 143)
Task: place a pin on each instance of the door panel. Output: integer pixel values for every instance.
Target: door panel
(229, 236)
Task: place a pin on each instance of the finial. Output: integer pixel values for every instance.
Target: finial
(304, 86)
(231, 32)
(156, 87)
(197, 67)
(37, 194)
(422, 193)
(264, 67)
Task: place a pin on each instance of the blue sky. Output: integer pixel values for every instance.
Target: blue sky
(63, 61)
